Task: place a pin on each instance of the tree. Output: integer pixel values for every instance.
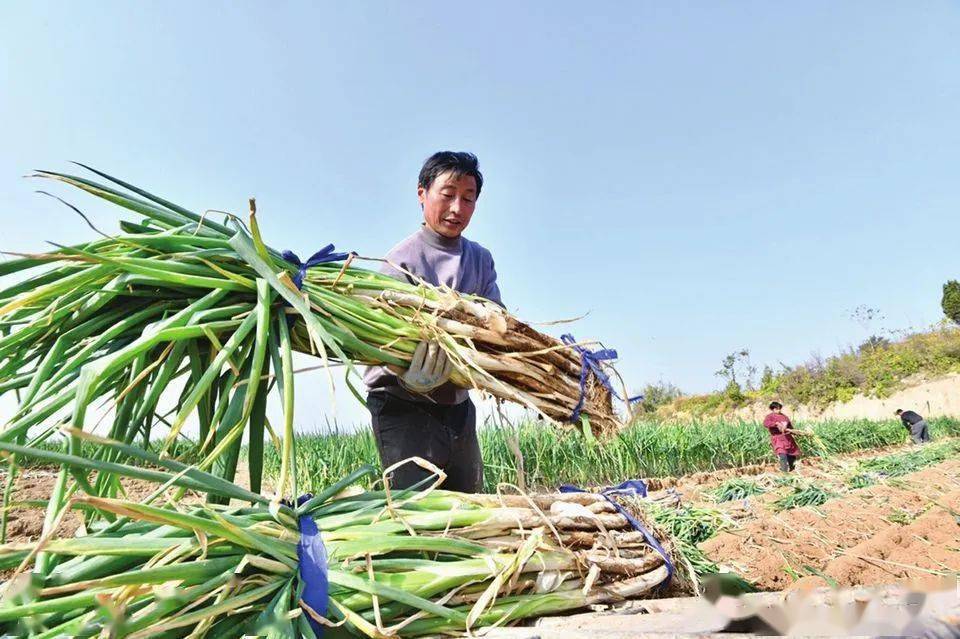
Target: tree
(950, 302)
(734, 364)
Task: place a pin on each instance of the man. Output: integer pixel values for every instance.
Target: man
(915, 425)
(418, 412)
(781, 437)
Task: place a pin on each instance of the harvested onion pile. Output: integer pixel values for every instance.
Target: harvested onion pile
(407, 564)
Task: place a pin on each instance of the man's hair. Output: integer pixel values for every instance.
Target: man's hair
(460, 163)
(775, 405)
(899, 410)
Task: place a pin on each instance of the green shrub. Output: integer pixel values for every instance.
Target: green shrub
(657, 395)
(734, 393)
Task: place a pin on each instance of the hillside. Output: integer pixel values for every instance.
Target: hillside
(920, 370)
(935, 398)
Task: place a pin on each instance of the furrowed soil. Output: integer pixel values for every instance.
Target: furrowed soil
(694, 484)
(904, 530)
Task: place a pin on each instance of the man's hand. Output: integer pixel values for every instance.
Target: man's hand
(429, 369)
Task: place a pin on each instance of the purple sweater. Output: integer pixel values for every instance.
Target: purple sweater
(462, 265)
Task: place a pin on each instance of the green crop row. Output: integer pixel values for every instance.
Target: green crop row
(645, 449)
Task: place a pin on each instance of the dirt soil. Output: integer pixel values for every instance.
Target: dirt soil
(905, 530)
(25, 523)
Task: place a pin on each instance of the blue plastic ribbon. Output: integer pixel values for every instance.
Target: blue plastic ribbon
(312, 557)
(590, 361)
(633, 487)
(322, 256)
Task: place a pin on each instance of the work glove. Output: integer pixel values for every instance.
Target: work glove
(429, 369)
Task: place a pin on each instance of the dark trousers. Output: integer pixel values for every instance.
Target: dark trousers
(920, 432)
(787, 462)
(442, 434)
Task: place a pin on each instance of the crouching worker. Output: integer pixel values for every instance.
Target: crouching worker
(915, 425)
(418, 412)
(781, 437)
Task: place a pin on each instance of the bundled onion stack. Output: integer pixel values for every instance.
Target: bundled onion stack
(404, 564)
(179, 300)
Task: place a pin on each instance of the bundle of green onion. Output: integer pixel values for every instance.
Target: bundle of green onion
(180, 301)
(736, 488)
(803, 495)
(400, 564)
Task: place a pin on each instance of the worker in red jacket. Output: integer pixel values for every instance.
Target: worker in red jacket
(781, 437)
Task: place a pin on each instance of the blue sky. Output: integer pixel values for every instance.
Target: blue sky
(699, 176)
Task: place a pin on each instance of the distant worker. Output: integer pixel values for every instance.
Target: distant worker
(915, 425)
(781, 437)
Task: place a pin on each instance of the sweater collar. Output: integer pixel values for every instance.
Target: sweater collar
(434, 239)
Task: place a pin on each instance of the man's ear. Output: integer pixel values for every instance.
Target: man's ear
(421, 195)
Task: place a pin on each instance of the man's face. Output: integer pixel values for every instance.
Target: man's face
(448, 204)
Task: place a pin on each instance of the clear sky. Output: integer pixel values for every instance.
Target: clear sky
(699, 176)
